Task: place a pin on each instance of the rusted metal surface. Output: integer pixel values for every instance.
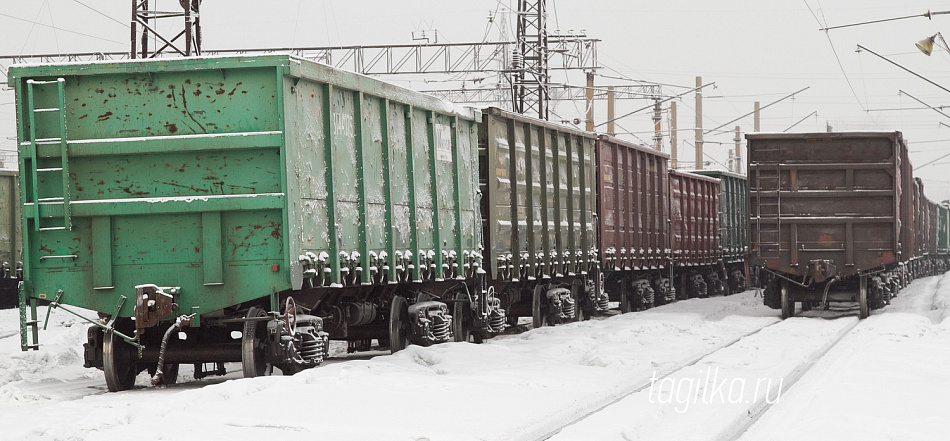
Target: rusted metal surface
(833, 199)
(694, 214)
(633, 205)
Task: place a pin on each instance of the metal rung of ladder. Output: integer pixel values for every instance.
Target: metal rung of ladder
(29, 324)
(43, 223)
(768, 230)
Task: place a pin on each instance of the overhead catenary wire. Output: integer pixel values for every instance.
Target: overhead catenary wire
(837, 58)
(800, 121)
(902, 67)
(60, 29)
(104, 14)
(658, 102)
(921, 102)
(760, 108)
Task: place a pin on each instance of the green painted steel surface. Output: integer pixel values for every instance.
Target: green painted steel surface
(540, 206)
(9, 218)
(733, 213)
(943, 229)
(215, 174)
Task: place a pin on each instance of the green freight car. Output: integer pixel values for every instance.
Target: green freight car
(733, 226)
(10, 267)
(259, 205)
(538, 205)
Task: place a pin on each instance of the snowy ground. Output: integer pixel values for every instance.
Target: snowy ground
(882, 381)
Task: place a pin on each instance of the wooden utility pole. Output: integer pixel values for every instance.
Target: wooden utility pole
(610, 111)
(699, 123)
(657, 125)
(755, 119)
(590, 102)
(737, 157)
(673, 141)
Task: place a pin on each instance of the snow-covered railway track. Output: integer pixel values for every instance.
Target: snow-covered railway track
(680, 402)
(638, 387)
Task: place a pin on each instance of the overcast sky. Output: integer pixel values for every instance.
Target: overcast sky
(753, 51)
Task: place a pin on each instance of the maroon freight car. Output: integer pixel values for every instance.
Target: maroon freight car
(695, 240)
(633, 211)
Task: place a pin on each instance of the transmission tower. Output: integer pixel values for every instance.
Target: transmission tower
(145, 17)
(530, 60)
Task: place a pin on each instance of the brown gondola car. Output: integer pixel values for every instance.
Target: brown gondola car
(695, 240)
(834, 217)
(633, 220)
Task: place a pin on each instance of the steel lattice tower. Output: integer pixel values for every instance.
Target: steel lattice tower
(530, 60)
(143, 15)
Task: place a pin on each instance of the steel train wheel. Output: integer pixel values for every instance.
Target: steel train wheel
(788, 306)
(169, 372)
(462, 324)
(864, 311)
(625, 304)
(539, 313)
(578, 293)
(117, 363)
(398, 324)
(252, 346)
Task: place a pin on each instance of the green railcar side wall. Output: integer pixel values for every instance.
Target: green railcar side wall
(215, 174)
(173, 177)
(9, 219)
(541, 197)
(393, 168)
(733, 213)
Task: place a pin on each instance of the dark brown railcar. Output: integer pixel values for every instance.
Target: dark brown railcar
(694, 217)
(829, 212)
(633, 220)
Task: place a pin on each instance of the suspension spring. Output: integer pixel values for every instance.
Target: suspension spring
(440, 329)
(496, 320)
(568, 309)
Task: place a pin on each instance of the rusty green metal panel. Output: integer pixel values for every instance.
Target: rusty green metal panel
(539, 212)
(215, 174)
(9, 218)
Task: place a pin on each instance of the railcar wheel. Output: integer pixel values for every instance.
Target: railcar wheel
(252, 345)
(863, 298)
(626, 305)
(117, 363)
(538, 308)
(398, 324)
(169, 372)
(578, 294)
(788, 306)
(462, 324)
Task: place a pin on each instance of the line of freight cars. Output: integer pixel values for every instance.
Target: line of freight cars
(839, 217)
(250, 209)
